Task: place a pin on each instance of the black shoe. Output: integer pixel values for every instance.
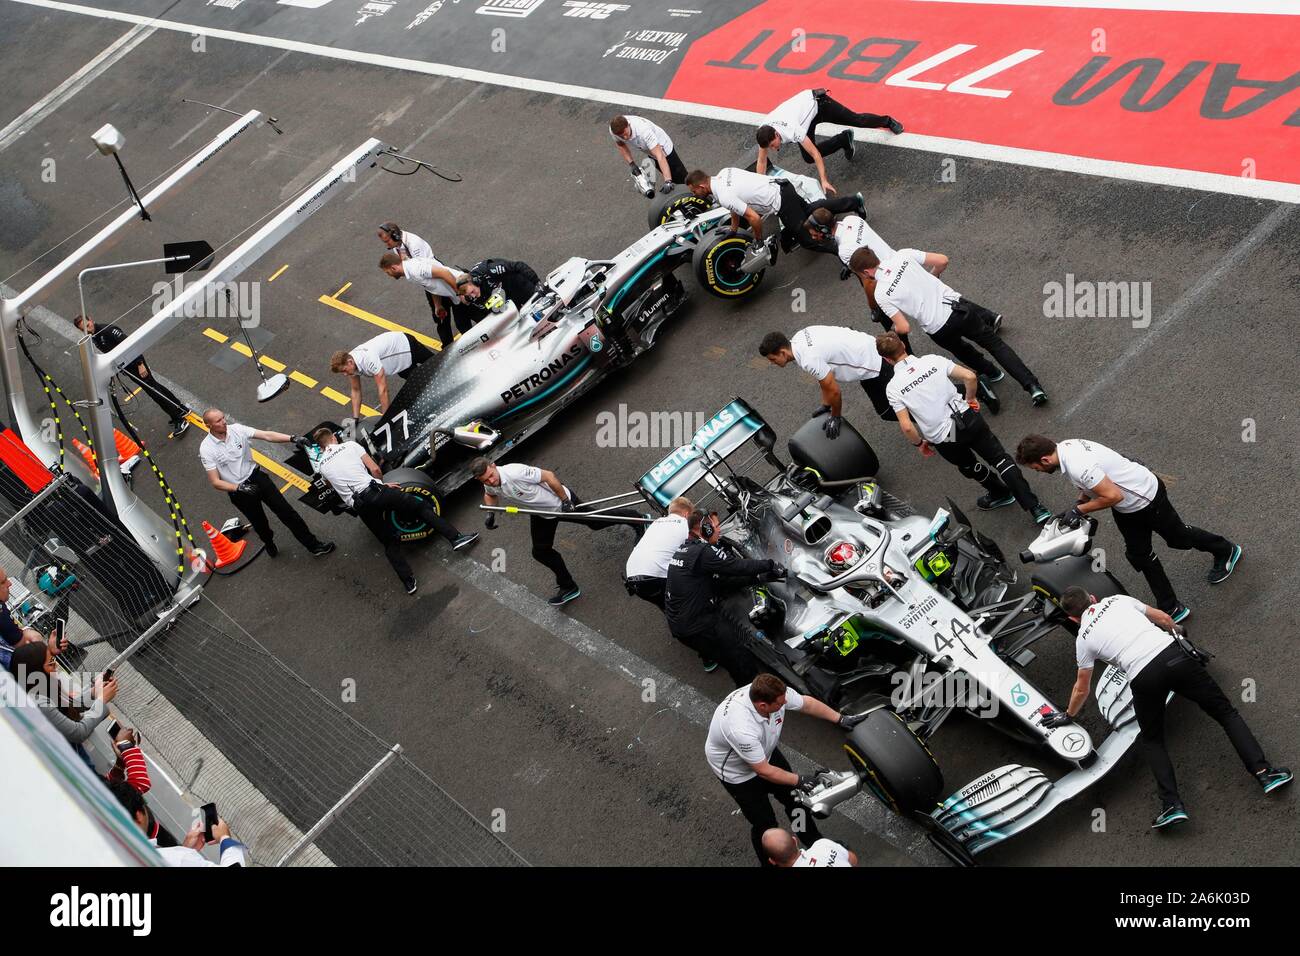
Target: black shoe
(1041, 515)
(894, 125)
(988, 398)
(1037, 395)
(271, 550)
(862, 206)
(995, 499)
(850, 145)
(1273, 777)
(711, 666)
(323, 549)
(1179, 612)
(563, 596)
(1222, 570)
(464, 541)
(993, 379)
(179, 428)
(410, 585)
(787, 243)
(1175, 813)
(996, 324)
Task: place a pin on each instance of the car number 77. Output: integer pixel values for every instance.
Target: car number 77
(386, 429)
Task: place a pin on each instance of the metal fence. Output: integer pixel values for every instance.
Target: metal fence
(296, 777)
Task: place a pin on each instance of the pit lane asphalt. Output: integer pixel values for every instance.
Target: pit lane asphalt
(496, 708)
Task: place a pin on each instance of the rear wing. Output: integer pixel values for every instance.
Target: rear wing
(729, 428)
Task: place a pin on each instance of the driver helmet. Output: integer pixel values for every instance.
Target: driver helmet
(842, 555)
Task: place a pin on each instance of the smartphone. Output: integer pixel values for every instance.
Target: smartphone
(108, 674)
(113, 730)
(209, 811)
(60, 626)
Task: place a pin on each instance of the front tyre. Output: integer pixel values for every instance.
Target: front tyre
(895, 765)
(412, 481)
(717, 265)
(680, 202)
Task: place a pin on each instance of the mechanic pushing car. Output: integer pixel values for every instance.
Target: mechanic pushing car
(796, 120)
(751, 196)
(409, 246)
(227, 456)
(540, 490)
(442, 284)
(516, 280)
(357, 480)
(908, 287)
(389, 353)
(934, 417)
(1147, 645)
(699, 573)
(108, 337)
(628, 131)
(834, 355)
(1140, 502)
(646, 572)
(742, 752)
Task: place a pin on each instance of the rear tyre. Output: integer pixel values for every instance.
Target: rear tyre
(717, 266)
(680, 201)
(896, 766)
(412, 481)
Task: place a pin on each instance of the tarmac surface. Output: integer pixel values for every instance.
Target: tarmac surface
(511, 705)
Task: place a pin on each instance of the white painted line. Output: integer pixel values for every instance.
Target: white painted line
(1159, 175)
(1185, 302)
(70, 87)
(1287, 7)
(671, 694)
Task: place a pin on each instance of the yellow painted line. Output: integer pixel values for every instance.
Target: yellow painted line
(287, 475)
(335, 395)
(133, 394)
(286, 486)
(272, 363)
(380, 321)
(346, 286)
(242, 349)
(277, 272)
(369, 412)
(303, 379)
(216, 336)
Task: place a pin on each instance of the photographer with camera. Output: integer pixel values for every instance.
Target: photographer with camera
(1153, 652)
(227, 456)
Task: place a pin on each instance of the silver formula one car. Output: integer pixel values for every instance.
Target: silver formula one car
(900, 616)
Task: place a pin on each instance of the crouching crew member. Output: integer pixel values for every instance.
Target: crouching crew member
(359, 482)
(1141, 505)
(389, 353)
(1138, 640)
(834, 355)
(441, 286)
(783, 849)
(646, 572)
(517, 281)
(629, 131)
(751, 196)
(934, 417)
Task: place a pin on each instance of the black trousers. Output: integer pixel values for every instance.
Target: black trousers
(1173, 670)
(250, 506)
(714, 639)
(419, 353)
(1161, 518)
(1000, 474)
(371, 510)
(676, 167)
(647, 589)
(542, 531)
(794, 211)
(754, 797)
(830, 111)
(971, 323)
(138, 372)
(464, 314)
(875, 389)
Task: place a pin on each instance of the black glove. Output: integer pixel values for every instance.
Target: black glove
(636, 170)
(777, 572)
(849, 721)
(490, 521)
(247, 487)
(808, 780)
(666, 187)
(299, 440)
(1071, 517)
(821, 410)
(832, 426)
(566, 505)
(1058, 718)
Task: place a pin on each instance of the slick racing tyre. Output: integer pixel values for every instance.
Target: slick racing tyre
(896, 767)
(413, 482)
(717, 265)
(681, 201)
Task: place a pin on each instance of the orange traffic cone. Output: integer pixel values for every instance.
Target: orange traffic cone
(87, 455)
(227, 551)
(127, 450)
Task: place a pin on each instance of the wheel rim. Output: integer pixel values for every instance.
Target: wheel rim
(414, 528)
(726, 267)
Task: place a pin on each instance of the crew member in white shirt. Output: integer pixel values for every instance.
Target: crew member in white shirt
(227, 456)
(646, 571)
(409, 246)
(834, 355)
(783, 849)
(1137, 639)
(848, 234)
(637, 131)
(908, 289)
(1140, 502)
(934, 417)
(357, 480)
(442, 285)
(751, 196)
(540, 490)
(795, 121)
(389, 353)
(742, 752)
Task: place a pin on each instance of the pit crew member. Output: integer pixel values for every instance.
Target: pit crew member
(517, 281)
(389, 353)
(646, 572)
(628, 131)
(440, 282)
(834, 355)
(783, 849)
(751, 196)
(108, 337)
